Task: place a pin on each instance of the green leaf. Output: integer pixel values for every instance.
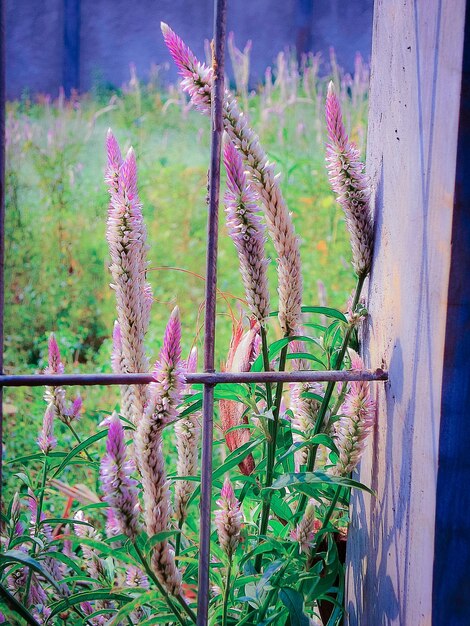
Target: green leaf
(325, 310)
(306, 356)
(294, 602)
(161, 536)
(17, 607)
(82, 446)
(16, 556)
(144, 598)
(35, 457)
(236, 457)
(316, 478)
(63, 558)
(86, 596)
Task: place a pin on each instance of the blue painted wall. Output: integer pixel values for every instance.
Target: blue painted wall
(114, 33)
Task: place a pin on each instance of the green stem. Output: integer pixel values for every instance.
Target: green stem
(159, 586)
(329, 391)
(226, 594)
(36, 526)
(74, 433)
(271, 457)
(266, 365)
(178, 538)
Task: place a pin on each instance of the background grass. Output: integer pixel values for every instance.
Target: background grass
(57, 258)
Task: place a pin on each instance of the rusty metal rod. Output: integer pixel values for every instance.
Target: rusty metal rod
(206, 378)
(217, 102)
(2, 219)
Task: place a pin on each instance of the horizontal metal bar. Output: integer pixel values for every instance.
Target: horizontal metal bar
(209, 378)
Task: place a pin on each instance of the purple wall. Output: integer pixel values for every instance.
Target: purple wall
(114, 33)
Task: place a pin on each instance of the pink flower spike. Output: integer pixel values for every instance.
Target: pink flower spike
(355, 424)
(228, 519)
(55, 365)
(114, 160)
(197, 77)
(349, 182)
(46, 441)
(247, 232)
(117, 484)
(76, 408)
(304, 533)
(116, 354)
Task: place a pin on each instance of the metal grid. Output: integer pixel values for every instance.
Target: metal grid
(209, 378)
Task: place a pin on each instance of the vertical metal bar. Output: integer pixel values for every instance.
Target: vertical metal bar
(217, 96)
(2, 219)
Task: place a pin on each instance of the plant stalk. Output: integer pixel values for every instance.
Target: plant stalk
(271, 457)
(226, 594)
(36, 527)
(159, 586)
(312, 455)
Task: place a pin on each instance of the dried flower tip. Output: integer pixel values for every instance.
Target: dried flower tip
(347, 178)
(228, 519)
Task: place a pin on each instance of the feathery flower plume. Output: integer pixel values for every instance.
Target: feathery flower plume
(197, 79)
(187, 433)
(243, 351)
(116, 482)
(356, 423)
(126, 236)
(347, 178)
(304, 414)
(228, 519)
(55, 397)
(46, 440)
(247, 233)
(164, 396)
(304, 533)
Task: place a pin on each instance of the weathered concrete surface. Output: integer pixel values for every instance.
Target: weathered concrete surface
(115, 33)
(413, 122)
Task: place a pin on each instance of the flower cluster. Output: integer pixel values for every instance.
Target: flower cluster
(164, 396)
(228, 519)
(347, 178)
(116, 482)
(126, 235)
(196, 82)
(247, 233)
(356, 423)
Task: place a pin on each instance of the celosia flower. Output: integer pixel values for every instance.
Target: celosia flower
(356, 423)
(164, 396)
(304, 533)
(228, 519)
(242, 353)
(187, 433)
(116, 482)
(135, 577)
(126, 236)
(55, 397)
(247, 233)
(347, 178)
(197, 79)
